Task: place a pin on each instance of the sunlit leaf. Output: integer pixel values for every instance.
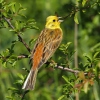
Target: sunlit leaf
(14, 63)
(34, 27)
(12, 30)
(76, 18)
(65, 46)
(17, 25)
(12, 88)
(95, 46)
(20, 76)
(22, 15)
(4, 14)
(13, 8)
(12, 3)
(4, 64)
(19, 82)
(95, 55)
(66, 79)
(31, 41)
(6, 52)
(61, 97)
(84, 2)
(87, 57)
(9, 97)
(20, 8)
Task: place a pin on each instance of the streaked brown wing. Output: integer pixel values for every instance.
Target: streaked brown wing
(47, 43)
(54, 38)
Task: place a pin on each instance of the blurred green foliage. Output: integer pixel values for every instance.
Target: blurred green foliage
(28, 19)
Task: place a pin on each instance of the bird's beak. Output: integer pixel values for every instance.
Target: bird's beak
(60, 19)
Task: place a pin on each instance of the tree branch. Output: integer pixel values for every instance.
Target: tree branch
(19, 37)
(23, 95)
(9, 23)
(22, 56)
(74, 11)
(19, 57)
(68, 69)
(24, 43)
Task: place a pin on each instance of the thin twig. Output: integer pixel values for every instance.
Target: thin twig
(22, 56)
(19, 57)
(19, 37)
(21, 40)
(68, 69)
(74, 11)
(23, 96)
(70, 14)
(8, 21)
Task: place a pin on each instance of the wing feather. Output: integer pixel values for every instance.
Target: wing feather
(50, 39)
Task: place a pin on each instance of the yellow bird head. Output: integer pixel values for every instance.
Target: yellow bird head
(53, 22)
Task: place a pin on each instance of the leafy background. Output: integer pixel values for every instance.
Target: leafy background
(52, 83)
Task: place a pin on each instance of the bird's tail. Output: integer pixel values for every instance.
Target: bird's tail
(29, 83)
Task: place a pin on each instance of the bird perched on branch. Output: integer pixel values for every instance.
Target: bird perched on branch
(46, 44)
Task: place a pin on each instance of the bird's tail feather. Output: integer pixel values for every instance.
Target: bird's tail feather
(29, 83)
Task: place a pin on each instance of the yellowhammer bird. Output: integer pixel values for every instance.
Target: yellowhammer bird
(46, 44)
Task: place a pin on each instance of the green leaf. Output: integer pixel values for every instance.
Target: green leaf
(9, 97)
(67, 45)
(61, 97)
(14, 63)
(12, 3)
(34, 27)
(13, 89)
(31, 41)
(12, 30)
(76, 18)
(19, 82)
(5, 24)
(17, 25)
(4, 14)
(84, 2)
(66, 79)
(6, 53)
(95, 55)
(13, 8)
(30, 20)
(64, 46)
(22, 15)
(14, 57)
(20, 76)
(88, 57)
(20, 9)
(4, 64)
(95, 47)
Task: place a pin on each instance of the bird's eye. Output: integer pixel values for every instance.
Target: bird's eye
(54, 20)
